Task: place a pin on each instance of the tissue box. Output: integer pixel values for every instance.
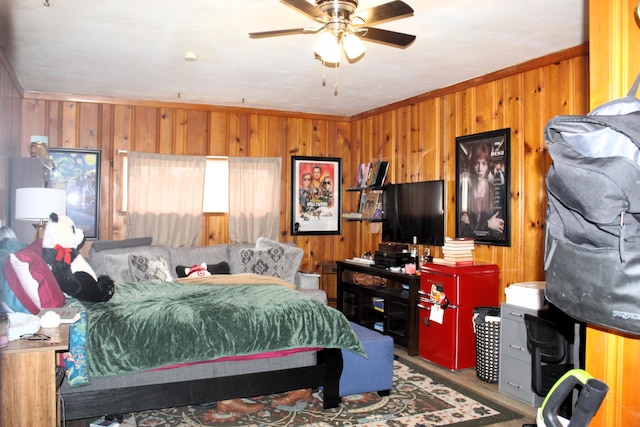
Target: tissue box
(526, 294)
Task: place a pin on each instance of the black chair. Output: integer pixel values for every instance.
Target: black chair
(548, 348)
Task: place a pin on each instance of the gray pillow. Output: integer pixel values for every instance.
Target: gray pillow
(292, 256)
(115, 262)
(266, 262)
(149, 269)
(102, 245)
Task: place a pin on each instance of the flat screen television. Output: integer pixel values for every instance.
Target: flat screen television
(414, 209)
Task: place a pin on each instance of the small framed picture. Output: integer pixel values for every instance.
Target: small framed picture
(482, 187)
(78, 173)
(316, 190)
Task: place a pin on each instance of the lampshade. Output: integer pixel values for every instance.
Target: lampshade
(353, 46)
(328, 48)
(35, 204)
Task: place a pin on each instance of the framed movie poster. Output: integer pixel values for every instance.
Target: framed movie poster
(316, 204)
(482, 187)
(78, 173)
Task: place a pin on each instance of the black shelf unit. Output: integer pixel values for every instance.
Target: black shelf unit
(396, 316)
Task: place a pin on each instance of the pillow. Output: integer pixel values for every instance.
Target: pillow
(219, 268)
(267, 262)
(101, 245)
(29, 284)
(32, 281)
(149, 268)
(115, 262)
(292, 256)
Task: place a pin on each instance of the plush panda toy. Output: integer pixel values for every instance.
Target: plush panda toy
(74, 274)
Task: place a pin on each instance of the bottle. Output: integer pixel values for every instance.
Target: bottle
(414, 253)
(427, 254)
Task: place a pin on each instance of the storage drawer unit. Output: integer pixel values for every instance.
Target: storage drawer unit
(515, 359)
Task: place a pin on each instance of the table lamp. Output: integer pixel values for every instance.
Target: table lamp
(36, 204)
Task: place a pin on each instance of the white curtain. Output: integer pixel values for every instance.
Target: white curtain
(165, 194)
(254, 198)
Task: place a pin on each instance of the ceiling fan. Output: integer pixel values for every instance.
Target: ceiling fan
(344, 27)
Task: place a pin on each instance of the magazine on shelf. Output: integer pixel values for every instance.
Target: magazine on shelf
(372, 199)
(373, 173)
(363, 175)
(382, 173)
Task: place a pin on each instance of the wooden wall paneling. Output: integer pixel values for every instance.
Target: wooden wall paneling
(218, 132)
(233, 135)
(341, 144)
(613, 64)
(196, 133)
(276, 146)
(179, 140)
(109, 170)
(88, 125)
(256, 136)
(529, 193)
(53, 123)
(167, 135)
(145, 132)
(484, 107)
(122, 141)
(69, 125)
(318, 137)
(448, 131)
(33, 123)
(513, 261)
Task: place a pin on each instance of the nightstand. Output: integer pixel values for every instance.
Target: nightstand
(28, 380)
(328, 281)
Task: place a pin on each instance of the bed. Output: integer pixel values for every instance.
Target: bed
(186, 341)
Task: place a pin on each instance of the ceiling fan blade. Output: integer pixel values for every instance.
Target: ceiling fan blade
(385, 36)
(385, 12)
(306, 8)
(287, 32)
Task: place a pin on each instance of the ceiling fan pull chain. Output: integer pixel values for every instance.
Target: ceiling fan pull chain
(335, 89)
(324, 74)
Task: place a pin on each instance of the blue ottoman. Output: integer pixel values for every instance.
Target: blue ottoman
(360, 375)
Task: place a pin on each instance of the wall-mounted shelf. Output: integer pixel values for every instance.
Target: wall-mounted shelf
(369, 205)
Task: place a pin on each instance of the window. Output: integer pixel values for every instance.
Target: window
(216, 185)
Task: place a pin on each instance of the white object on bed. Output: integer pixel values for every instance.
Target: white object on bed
(21, 324)
(50, 319)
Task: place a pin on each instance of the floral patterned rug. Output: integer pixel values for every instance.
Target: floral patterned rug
(417, 400)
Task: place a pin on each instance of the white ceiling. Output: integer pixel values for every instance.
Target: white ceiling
(134, 49)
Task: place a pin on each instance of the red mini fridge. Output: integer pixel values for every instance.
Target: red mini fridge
(446, 338)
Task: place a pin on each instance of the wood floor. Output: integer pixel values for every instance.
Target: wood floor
(467, 378)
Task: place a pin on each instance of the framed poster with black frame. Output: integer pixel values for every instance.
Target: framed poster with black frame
(482, 187)
(77, 171)
(316, 201)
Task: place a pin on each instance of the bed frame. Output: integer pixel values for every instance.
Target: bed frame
(325, 373)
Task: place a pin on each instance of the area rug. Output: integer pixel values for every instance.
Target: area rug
(417, 400)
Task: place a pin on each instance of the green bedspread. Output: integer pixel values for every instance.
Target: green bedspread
(153, 324)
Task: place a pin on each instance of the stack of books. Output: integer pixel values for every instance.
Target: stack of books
(457, 251)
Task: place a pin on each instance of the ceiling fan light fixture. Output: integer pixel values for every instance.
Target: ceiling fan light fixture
(353, 46)
(328, 48)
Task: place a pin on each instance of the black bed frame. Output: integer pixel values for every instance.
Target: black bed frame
(325, 373)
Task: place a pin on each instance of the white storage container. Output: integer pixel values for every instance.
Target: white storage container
(526, 294)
